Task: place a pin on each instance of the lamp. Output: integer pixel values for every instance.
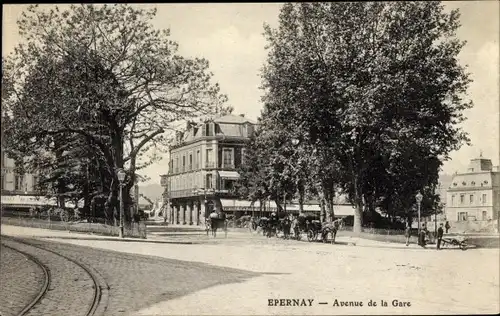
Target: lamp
(295, 141)
(419, 198)
(121, 177)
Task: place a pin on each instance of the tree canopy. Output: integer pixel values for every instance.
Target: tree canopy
(375, 90)
(102, 77)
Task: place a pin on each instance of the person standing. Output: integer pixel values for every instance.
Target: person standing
(407, 234)
(422, 235)
(439, 236)
(447, 226)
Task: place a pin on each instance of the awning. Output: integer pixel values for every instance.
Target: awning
(232, 175)
(235, 203)
(33, 200)
(27, 200)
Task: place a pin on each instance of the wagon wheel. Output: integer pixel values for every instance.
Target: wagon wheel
(463, 246)
(310, 236)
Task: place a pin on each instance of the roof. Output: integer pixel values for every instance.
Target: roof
(233, 119)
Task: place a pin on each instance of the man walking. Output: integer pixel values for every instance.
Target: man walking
(407, 234)
(439, 236)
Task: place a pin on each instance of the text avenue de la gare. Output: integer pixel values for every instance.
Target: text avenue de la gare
(336, 303)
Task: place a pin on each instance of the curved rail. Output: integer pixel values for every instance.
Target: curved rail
(46, 283)
(97, 289)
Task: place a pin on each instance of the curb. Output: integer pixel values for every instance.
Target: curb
(110, 239)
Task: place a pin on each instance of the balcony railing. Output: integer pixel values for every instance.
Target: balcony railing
(189, 192)
(209, 164)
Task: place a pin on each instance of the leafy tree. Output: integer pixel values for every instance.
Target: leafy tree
(264, 174)
(368, 81)
(108, 78)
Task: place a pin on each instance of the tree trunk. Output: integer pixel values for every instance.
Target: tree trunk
(278, 205)
(331, 211)
(358, 210)
(301, 199)
(322, 209)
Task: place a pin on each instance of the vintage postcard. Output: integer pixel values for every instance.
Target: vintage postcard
(324, 158)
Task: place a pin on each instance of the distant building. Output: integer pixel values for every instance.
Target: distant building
(202, 169)
(474, 195)
(18, 190)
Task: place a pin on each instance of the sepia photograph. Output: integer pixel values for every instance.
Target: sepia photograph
(289, 158)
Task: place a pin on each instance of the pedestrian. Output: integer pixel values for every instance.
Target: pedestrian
(447, 226)
(439, 236)
(407, 233)
(422, 235)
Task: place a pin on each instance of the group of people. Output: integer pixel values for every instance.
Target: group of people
(424, 233)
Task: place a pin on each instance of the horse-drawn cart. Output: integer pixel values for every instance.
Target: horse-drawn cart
(314, 228)
(455, 240)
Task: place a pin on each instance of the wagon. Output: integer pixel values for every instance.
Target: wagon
(314, 229)
(311, 225)
(455, 240)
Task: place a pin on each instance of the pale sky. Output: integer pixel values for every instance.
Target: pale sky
(229, 35)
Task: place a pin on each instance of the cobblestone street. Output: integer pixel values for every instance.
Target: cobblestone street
(130, 281)
(20, 280)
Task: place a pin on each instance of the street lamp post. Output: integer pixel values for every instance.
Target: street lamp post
(295, 142)
(121, 177)
(419, 198)
(435, 213)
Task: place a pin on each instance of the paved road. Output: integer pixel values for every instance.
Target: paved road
(433, 282)
(71, 288)
(129, 282)
(20, 280)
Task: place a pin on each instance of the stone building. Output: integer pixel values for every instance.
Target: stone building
(18, 190)
(474, 195)
(202, 168)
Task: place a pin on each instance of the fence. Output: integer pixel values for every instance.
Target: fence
(397, 236)
(378, 234)
(135, 230)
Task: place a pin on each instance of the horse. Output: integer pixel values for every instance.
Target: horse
(284, 225)
(215, 223)
(332, 228)
(295, 227)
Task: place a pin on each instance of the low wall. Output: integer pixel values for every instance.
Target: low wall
(475, 226)
(397, 236)
(136, 230)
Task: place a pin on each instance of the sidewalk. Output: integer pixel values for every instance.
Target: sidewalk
(19, 231)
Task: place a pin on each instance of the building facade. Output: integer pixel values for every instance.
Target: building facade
(19, 191)
(202, 168)
(474, 195)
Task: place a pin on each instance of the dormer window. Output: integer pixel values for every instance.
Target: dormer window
(464, 183)
(473, 183)
(485, 181)
(455, 184)
(209, 129)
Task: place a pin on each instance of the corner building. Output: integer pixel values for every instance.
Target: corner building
(202, 168)
(474, 195)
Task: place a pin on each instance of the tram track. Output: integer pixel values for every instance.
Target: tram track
(46, 282)
(49, 260)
